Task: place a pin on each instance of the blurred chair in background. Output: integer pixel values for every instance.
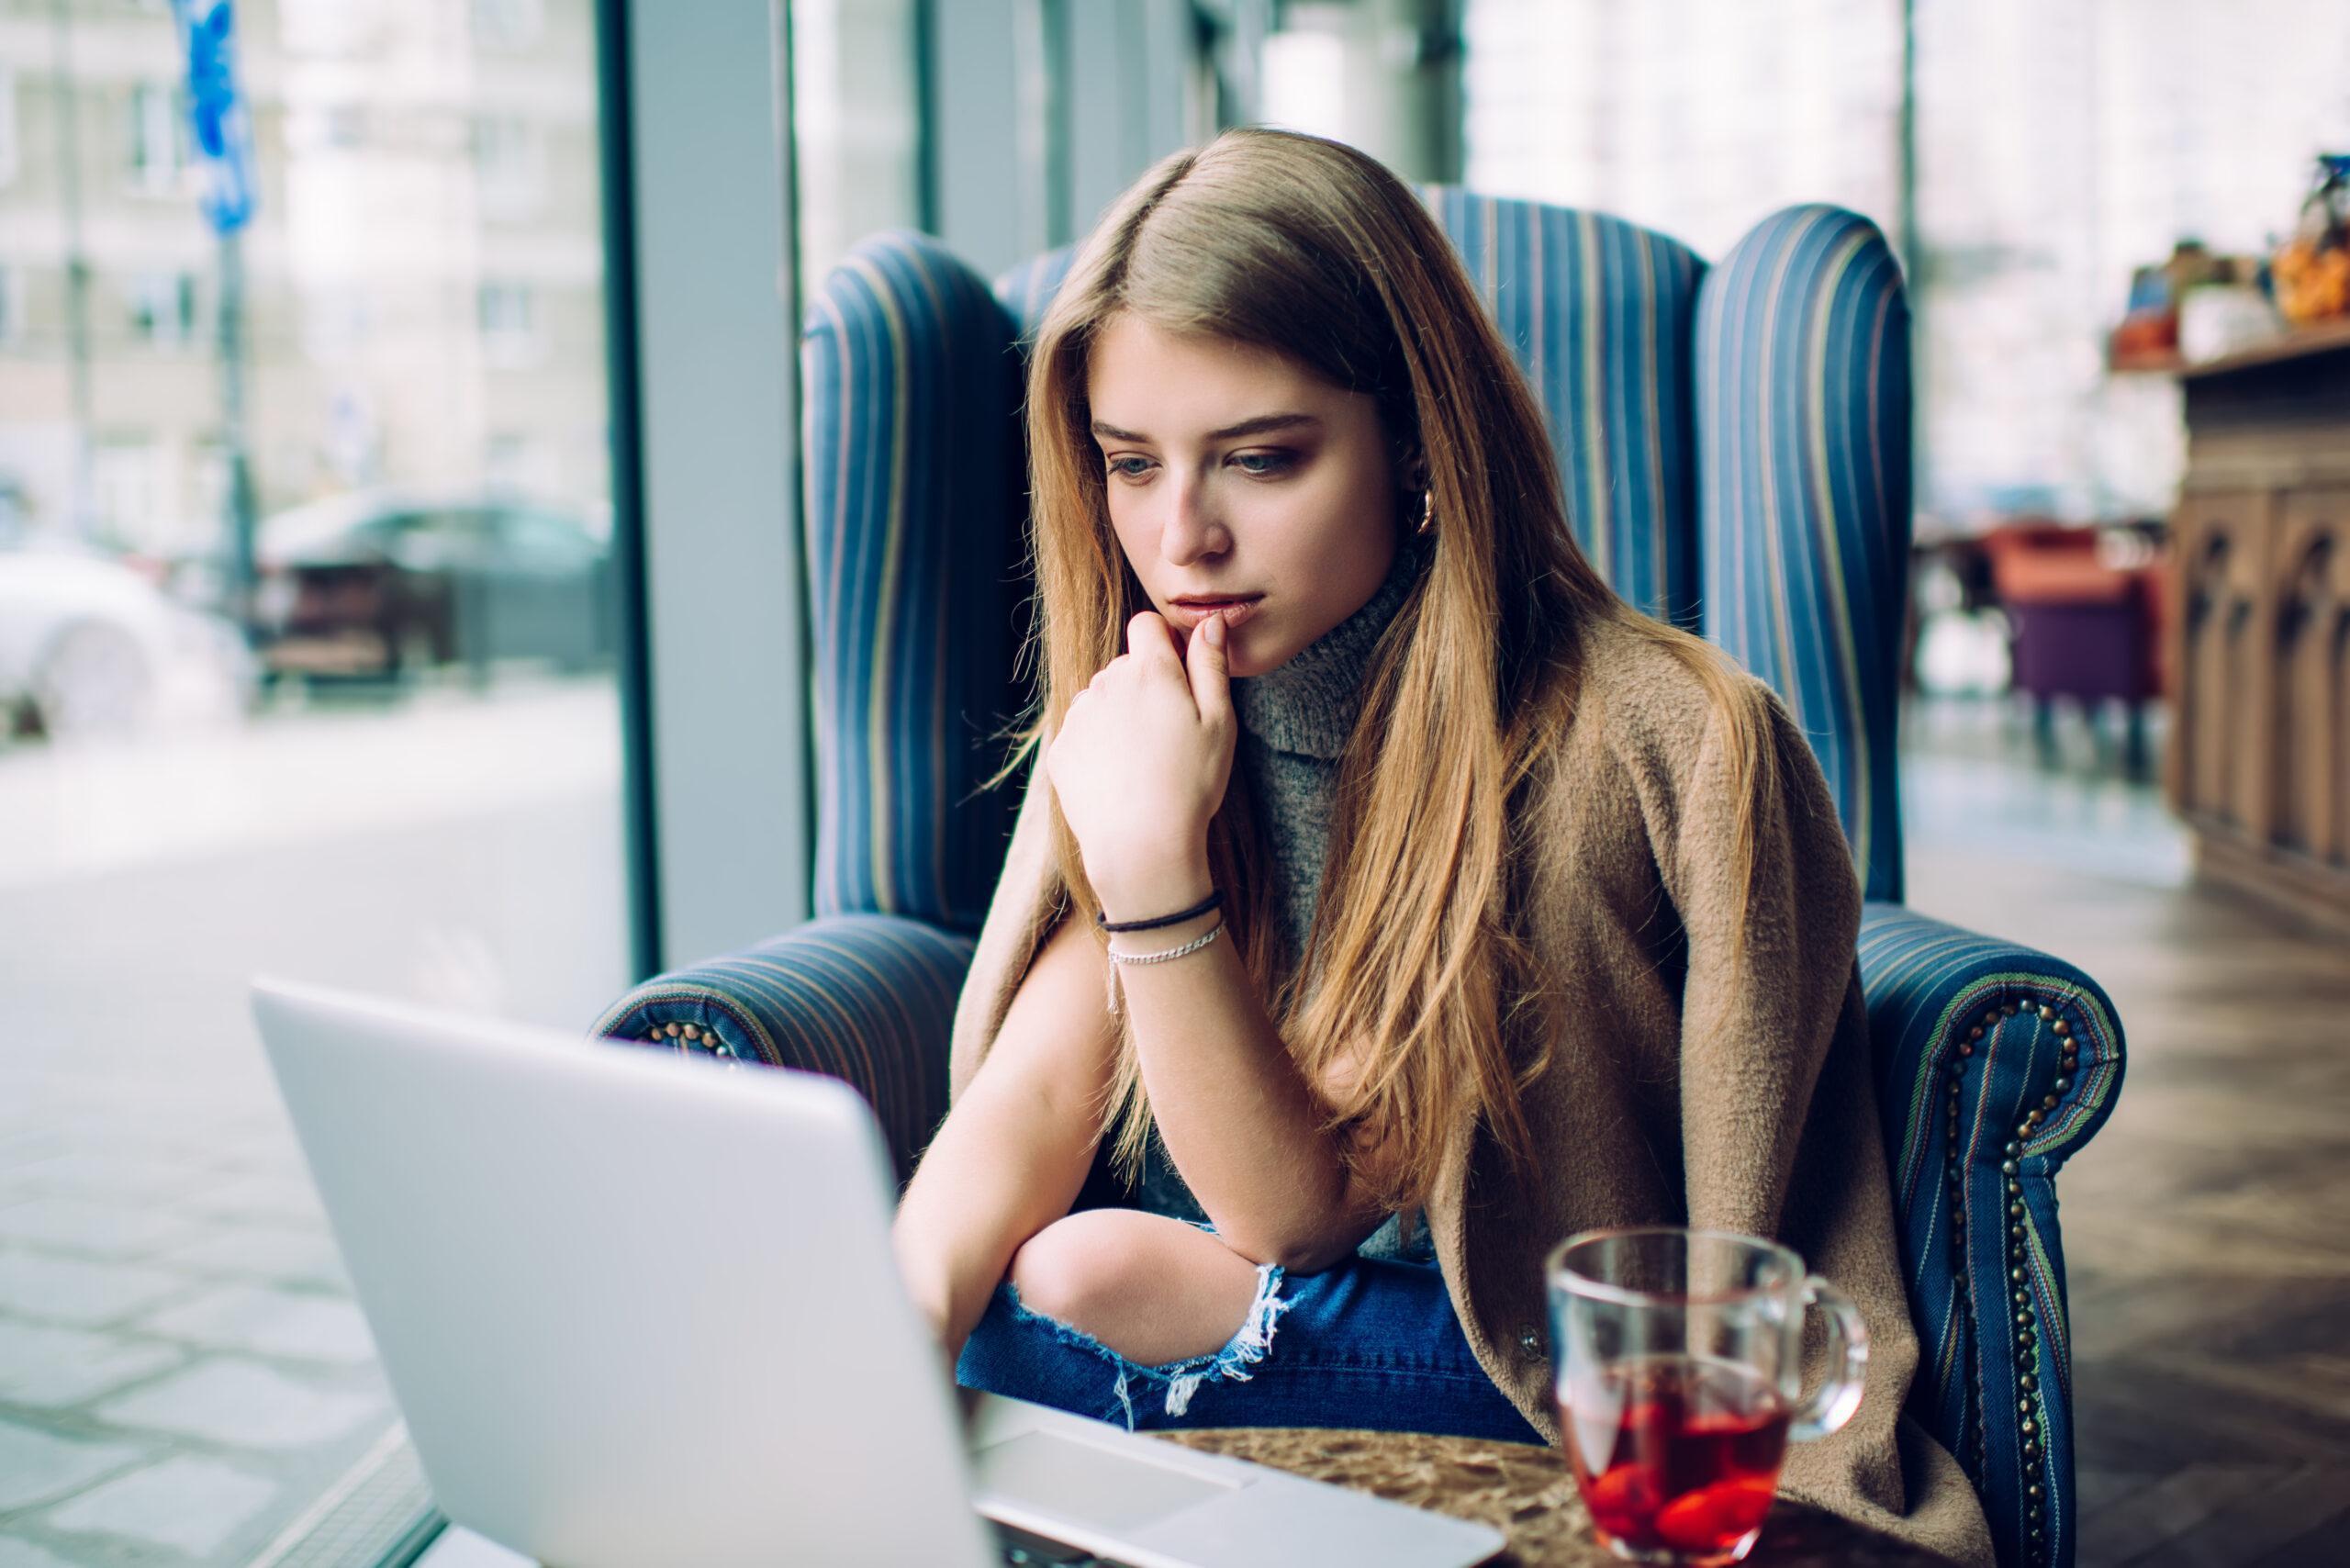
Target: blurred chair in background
(1734, 441)
(2081, 627)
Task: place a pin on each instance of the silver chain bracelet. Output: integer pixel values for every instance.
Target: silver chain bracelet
(1110, 975)
(1185, 951)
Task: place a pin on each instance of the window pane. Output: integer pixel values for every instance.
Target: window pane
(2059, 148)
(394, 767)
(1693, 118)
(855, 125)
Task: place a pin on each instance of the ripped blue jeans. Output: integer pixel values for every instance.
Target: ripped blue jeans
(1369, 1343)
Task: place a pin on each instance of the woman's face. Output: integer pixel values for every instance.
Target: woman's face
(1234, 475)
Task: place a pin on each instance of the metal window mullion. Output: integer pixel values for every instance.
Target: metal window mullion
(701, 204)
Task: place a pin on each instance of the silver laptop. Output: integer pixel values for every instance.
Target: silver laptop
(641, 1307)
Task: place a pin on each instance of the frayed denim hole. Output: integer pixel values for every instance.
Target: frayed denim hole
(1247, 1346)
(1070, 1336)
(1243, 1350)
(1063, 1334)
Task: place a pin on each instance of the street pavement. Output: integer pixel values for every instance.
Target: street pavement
(184, 1375)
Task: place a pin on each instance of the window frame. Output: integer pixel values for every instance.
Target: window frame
(700, 261)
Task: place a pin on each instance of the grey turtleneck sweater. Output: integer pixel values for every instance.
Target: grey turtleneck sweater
(1295, 722)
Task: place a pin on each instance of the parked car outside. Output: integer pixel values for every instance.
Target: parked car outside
(89, 647)
(381, 583)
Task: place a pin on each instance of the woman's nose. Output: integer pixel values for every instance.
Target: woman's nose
(1190, 530)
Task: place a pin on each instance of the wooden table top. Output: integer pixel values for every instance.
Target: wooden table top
(1522, 1491)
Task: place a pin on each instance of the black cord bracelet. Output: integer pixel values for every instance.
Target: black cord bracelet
(1214, 900)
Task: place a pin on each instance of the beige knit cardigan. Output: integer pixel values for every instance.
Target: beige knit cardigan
(1761, 1118)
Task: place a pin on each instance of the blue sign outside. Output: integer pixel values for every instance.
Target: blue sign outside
(223, 131)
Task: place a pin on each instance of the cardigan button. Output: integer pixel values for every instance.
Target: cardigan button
(1529, 1344)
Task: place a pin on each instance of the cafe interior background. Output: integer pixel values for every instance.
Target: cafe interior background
(396, 399)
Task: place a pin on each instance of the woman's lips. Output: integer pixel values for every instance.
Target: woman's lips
(1236, 610)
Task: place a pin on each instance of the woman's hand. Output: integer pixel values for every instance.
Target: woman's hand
(1140, 765)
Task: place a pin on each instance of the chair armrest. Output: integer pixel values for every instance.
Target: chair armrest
(1994, 1063)
(868, 999)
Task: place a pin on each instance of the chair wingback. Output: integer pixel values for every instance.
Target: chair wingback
(1803, 422)
(1598, 312)
(1029, 287)
(915, 561)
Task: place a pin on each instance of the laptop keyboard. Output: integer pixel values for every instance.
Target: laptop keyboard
(1018, 1548)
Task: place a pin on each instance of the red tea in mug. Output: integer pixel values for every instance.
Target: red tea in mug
(1675, 1455)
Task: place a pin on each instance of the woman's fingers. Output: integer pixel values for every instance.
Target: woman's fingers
(1150, 639)
(1204, 665)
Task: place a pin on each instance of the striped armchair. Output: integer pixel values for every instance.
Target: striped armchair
(1734, 440)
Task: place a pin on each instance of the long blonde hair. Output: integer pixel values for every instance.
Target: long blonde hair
(1316, 251)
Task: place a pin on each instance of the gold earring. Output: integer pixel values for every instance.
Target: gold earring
(1428, 511)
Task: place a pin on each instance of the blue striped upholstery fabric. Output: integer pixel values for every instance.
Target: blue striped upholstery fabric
(1803, 428)
(1598, 312)
(1972, 1037)
(1026, 289)
(914, 575)
(865, 998)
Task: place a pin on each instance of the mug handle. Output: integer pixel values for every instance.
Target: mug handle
(1839, 1394)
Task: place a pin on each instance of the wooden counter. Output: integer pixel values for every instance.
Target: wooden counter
(2259, 763)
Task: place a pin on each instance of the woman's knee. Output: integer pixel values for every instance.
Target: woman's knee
(1080, 1269)
(1152, 1289)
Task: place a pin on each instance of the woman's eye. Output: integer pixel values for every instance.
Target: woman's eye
(1256, 465)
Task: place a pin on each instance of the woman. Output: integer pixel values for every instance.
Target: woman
(1390, 899)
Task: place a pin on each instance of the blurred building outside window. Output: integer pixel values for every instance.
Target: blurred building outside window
(398, 778)
(325, 29)
(123, 472)
(159, 138)
(208, 472)
(8, 133)
(342, 126)
(508, 24)
(165, 309)
(510, 329)
(522, 462)
(509, 161)
(335, 322)
(856, 126)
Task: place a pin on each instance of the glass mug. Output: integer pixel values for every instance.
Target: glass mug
(1678, 1357)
